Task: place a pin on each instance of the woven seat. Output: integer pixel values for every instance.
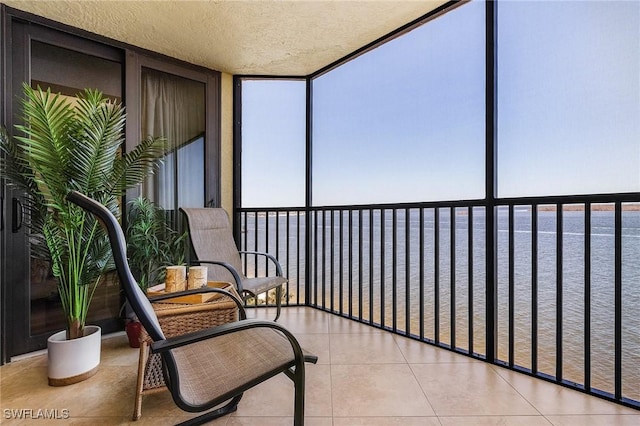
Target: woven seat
(213, 245)
(210, 367)
(269, 351)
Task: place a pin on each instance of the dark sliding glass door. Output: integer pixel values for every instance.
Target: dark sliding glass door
(66, 65)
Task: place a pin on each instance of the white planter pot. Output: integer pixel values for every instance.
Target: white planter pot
(75, 360)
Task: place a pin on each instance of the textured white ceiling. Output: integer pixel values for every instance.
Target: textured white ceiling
(239, 37)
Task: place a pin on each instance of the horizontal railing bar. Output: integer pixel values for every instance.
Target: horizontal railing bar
(625, 197)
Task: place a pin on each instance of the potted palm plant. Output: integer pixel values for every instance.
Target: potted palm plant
(73, 144)
(152, 244)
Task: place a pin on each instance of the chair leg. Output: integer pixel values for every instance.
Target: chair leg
(298, 383)
(278, 302)
(210, 415)
(142, 362)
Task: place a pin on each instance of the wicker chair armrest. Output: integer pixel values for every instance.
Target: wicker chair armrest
(237, 301)
(268, 256)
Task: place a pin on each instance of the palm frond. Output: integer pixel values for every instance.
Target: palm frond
(100, 126)
(131, 168)
(46, 146)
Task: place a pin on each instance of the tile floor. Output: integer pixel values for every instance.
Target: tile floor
(364, 377)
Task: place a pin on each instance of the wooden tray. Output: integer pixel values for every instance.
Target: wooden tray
(158, 290)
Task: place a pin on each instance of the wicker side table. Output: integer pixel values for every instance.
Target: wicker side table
(176, 319)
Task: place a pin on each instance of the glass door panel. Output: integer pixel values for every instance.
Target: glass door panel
(173, 107)
(68, 72)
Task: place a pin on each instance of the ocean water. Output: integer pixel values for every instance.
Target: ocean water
(378, 263)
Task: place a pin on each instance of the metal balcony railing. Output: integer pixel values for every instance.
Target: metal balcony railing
(546, 286)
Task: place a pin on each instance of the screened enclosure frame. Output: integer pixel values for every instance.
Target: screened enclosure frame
(329, 283)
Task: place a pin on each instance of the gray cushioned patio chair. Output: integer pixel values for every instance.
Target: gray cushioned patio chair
(210, 367)
(213, 245)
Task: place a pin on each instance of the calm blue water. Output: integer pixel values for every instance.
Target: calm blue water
(391, 268)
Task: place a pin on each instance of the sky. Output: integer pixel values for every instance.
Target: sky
(569, 97)
(274, 144)
(405, 122)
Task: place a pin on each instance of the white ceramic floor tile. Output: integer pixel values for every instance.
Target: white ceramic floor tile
(494, 421)
(377, 390)
(416, 352)
(356, 349)
(469, 389)
(596, 420)
(551, 399)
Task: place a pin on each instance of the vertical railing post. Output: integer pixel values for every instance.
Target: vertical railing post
(394, 270)
(587, 297)
(470, 280)
(618, 303)
(452, 276)
(421, 276)
(341, 263)
(383, 220)
(360, 262)
(332, 260)
(350, 310)
(491, 295)
(534, 288)
(436, 274)
(559, 291)
(511, 296)
(371, 265)
(407, 271)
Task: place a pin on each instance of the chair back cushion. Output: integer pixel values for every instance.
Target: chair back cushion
(212, 239)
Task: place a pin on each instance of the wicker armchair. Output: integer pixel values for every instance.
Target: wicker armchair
(213, 245)
(210, 367)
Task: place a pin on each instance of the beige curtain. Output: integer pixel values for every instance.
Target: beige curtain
(174, 108)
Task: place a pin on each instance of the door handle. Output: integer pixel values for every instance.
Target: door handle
(17, 215)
